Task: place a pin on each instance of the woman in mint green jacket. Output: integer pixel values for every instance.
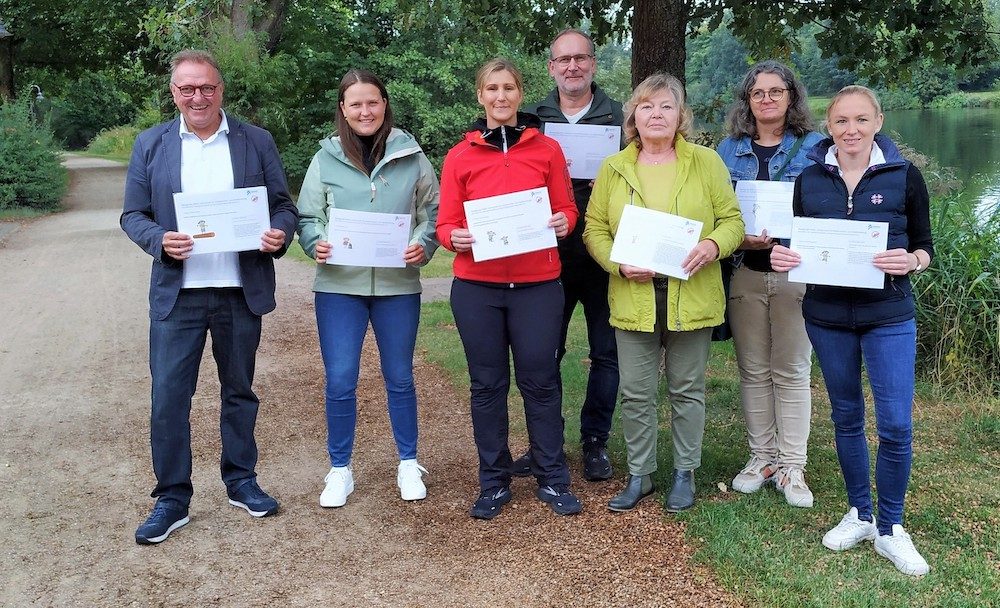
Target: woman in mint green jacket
(660, 170)
(369, 166)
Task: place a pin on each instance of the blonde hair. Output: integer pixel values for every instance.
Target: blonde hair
(647, 88)
(854, 89)
(499, 64)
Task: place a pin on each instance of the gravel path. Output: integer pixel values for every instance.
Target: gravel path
(74, 465)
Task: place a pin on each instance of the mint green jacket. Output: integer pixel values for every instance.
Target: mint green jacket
(703, 192)
(402, 182)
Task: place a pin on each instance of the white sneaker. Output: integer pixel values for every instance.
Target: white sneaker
(849, 532)
(898, 548)
(339, 485)
(754, 475)
(792, 483)
(408, 478)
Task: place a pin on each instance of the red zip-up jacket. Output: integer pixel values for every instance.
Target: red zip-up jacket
(475, 168)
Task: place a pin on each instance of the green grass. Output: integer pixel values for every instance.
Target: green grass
(114, 144)
(769, 554)
(440, 265)
(23, 213)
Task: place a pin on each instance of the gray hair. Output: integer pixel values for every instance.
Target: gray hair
(798, 119)
(194, 56)
(578, 32)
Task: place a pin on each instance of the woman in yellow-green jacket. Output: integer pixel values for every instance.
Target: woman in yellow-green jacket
(660, 170)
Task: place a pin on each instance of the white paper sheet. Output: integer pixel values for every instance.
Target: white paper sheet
(228, 221)
(510, 224)
(363, 238)
(585, 146)
(766, 206)
(838, 252)
(655, 240)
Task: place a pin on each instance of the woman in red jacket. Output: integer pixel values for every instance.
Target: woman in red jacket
(509, 304)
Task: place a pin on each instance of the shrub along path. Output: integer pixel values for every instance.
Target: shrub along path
(74, 465)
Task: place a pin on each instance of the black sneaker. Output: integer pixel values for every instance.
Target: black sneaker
(257, 503)
(164, 519)
(596, 464)
(490, 502)
(562, 501)
(522, 466)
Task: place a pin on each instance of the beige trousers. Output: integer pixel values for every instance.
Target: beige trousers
(773, 354)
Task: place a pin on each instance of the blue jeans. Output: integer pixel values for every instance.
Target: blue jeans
(175, 348)
(587, 283)
(342, 321)
(889, 353)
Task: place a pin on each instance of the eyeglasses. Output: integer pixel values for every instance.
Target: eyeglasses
(564, 60)
(772, 94)
(207, 90)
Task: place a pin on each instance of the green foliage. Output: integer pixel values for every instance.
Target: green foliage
(897, 99)
(30, 171)
(958, 299)
(95, 101)
(957, 99)
(930, 81)
(115, 143)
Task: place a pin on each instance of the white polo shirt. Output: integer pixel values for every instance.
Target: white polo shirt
(206, 166)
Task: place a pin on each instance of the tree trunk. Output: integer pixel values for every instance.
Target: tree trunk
(658, 31)
(269, 19)
(6, 68)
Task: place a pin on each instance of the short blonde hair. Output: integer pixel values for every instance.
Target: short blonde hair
(854, 89)
(499, 64)
(647, 88)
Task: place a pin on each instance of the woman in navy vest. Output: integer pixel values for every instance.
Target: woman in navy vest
(861, 175)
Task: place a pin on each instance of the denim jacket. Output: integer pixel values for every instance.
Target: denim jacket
(738, 155)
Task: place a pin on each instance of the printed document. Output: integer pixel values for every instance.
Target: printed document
(585, 146)
(364, 238)
(838, 252)
(220, 222)
(655, 240)
(766, 206)
(510, 224)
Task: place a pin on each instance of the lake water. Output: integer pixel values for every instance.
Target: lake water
(966, 139)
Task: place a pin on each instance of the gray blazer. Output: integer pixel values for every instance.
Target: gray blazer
(154, 175)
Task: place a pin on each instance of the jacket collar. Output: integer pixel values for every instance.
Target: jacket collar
(744, 145)
(892, 156)
(548, 109)
(397, 145)
(625, 161)
(171, 140)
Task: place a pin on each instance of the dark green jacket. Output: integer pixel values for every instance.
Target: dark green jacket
(604, 111)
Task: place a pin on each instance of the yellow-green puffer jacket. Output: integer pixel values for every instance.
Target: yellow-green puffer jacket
(703, 192)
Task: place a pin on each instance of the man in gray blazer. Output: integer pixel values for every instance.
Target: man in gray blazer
(203, 151)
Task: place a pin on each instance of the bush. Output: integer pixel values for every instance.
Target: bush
(30, 171)
(896, 99)
(952, 100)
(958, 299)
(115, 143)
(97, 101)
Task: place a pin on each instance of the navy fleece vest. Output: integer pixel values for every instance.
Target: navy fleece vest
(880, 196)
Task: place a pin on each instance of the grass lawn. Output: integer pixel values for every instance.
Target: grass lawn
(769, 553)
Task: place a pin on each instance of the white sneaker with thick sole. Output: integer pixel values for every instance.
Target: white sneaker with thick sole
(898, 548)
(792, 483)
(754, 475)
(849, 532)
(408, 478)
(339, 485)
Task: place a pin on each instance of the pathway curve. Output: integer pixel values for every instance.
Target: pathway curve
(75, 472)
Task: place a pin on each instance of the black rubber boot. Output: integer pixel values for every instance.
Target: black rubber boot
(637, 488)
(682, 494)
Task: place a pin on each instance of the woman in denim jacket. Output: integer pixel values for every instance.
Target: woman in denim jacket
(770, 132)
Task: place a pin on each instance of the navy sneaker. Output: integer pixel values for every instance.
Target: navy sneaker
(256, 501)
(490, 502)
(522, 466)
(164, 519)
(562, 501)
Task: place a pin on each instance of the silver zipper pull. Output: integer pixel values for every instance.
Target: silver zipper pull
(373, 192)
(850, 204)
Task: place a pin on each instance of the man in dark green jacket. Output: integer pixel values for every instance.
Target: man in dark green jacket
(576, 99)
